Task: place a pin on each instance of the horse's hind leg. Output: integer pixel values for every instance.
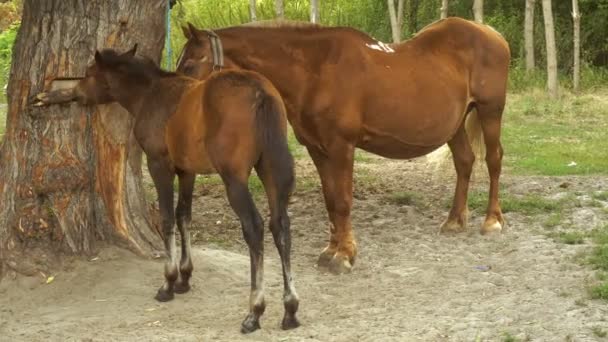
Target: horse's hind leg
(253, 232)
(278, 198)
(463, 161)
(163, 182)
(184, 217)
(491, 117)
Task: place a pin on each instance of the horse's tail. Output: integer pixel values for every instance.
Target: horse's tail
(473, 128)
(271, 129)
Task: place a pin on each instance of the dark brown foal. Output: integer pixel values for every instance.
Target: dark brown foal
(230, 123)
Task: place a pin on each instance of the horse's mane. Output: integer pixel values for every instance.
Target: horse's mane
(138, 67)
(281, 23)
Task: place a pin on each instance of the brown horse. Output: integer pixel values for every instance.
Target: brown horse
(344, 90)
(231, 123)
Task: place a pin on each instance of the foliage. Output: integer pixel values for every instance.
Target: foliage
(7, 39)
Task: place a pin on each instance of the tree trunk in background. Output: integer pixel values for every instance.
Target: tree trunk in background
(478, 10)
(314, 11)
(70, 176)
(400, 16)
(412, 23)
(395, 28)
(279, 8)
(252, 12)
(444, 9)
(551, 51)
(529, 34)
(576, 18)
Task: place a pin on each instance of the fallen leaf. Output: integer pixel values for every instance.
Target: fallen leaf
(50, 279)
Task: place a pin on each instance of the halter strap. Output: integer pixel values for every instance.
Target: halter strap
(216, 49)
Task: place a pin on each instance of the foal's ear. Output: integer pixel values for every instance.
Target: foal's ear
(131, 53)
(194, 32)
(186, 31)
(98, 58)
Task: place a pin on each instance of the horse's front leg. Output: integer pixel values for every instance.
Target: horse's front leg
(55, 97)
(336, 171)
(163, 175)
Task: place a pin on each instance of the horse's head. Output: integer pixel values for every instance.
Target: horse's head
(202, 54)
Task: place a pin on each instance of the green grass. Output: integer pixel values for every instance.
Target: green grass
(553, 220)
(2, 120)
(543, 136)
(402, 198)
(599, 332)
(528, 205)
(570, 238)
(599, 260)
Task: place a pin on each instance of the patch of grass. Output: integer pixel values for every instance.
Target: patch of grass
(402, 198)
(556, 137)
(599, 332)
(529, 205)
(600, 195)
(570, 238)
(2, 119)
(599, 260)
(507, 337)
(553, 220)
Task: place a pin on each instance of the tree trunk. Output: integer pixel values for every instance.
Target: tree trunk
(70, 176)
(252, 11)
(576, 18)
(529, 34)
(395, 28)
(478, 10)
(280, 9)
(551, 51)
(314, 11)
(413, 16)
(400, 16)
(444, 9)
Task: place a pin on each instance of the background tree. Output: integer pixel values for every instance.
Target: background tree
(396, 17)
(576, 19)
(478, 10)
(412, 22)
(252, 10)
(70, 176)
(314, 11)
(444, 9)
(551, 51)
(529, 34)
(280, 9)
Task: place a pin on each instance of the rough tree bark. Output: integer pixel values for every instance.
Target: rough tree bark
(280, 9)
(478, 10)
(551, 51)
(70, 176)
(252, 11)
(444, 9)
(314, 11)
(529, 34)
(576, 18)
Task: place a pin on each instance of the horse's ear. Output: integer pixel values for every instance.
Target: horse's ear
(194, 32)
(98, 58)
(131, 53)
(187, 32)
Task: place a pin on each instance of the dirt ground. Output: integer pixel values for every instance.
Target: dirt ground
(409, 283)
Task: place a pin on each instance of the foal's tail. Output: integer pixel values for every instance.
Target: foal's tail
(473, 128)
(272, 136)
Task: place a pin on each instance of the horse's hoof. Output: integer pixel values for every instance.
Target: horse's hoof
(452, 226)
(250, 324)
(290, 322)
(181, 287)
(340, 265)
(490, 227)
(325, 258)
(164, 295)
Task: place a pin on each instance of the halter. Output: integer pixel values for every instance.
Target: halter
(217, 50)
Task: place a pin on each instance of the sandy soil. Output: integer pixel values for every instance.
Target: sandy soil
(409, 283)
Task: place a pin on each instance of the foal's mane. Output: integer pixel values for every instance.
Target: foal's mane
(140, 67)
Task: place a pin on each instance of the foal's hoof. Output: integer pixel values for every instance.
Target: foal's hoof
(250, 324)
(491, 226)
(163, 295)
(452, 226)
(181, 287)
(340, 265)
(289, 323)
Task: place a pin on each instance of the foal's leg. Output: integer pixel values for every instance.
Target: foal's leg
(463, 161)
(184, 217)
(336, 171)
(278, 198)
(163, 175)
(253, 232)
(491, 117)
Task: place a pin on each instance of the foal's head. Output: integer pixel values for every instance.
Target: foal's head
(196, 59)
(114, 75)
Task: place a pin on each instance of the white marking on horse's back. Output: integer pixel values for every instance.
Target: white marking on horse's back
(380, 46)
